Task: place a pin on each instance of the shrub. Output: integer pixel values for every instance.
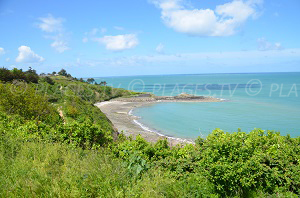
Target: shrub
(85, 135)
(240, 163)
(48, 80)
(5, 75)
(17, 74)
(24, 100)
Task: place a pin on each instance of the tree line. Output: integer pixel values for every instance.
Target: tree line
(31, 76)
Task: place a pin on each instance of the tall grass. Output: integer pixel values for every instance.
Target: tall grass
(35, 169)
(38, 169)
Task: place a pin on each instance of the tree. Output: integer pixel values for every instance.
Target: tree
(31, 75)
(5, 75)
(18, 74)
(49, 80)
(90, 80)
(103, 83)
(31, 71)
(63, 72)
(81, 80)
(53, 73)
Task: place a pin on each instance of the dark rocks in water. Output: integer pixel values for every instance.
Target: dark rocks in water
(152, 98)
(143, 95)
(186, 96)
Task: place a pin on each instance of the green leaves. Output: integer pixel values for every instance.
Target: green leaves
(17, 74)
(85, 135)
(237, 164)
(137, 165)
(240, 162)
(24, 101)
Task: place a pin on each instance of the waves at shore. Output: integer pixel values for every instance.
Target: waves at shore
(146, 128)
(122, 116)
(130, 112)
(162, 135)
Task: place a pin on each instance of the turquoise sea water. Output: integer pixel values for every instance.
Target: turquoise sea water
(268, 101)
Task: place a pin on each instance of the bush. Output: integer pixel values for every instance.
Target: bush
(23, 100)
(5, 75)
(85, 135)
(48, 80)
(240, 163)
(17, 74)
(236, 164)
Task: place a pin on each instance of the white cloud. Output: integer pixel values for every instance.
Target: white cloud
(119, 42)
(54, 27)
(51, 24)
(223, 21)
(2, 51)
(264, 45)
(7, 59)
(91, 34)
(160, 48)
(59, 43)
(278, 46)
(26, 55)
(60, 46)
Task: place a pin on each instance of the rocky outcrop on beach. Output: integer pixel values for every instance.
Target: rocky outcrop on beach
(179, 98)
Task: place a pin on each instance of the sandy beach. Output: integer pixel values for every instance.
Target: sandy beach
(119, 112)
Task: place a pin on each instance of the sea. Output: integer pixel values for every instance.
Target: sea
(268, 101)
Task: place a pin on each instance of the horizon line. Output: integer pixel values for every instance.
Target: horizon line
(192, 74)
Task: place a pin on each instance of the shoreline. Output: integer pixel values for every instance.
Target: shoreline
(119, 112)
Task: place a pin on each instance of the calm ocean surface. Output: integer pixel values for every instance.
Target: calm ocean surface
(268, 101)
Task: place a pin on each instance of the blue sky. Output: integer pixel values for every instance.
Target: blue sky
(144, 37)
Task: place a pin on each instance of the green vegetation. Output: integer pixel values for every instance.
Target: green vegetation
(55, 142)
(17, 74)
(90, 80)
(63, 72)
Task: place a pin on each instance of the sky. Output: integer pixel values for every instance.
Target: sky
(97, 38)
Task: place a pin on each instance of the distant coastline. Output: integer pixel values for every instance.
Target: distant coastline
(119, 112)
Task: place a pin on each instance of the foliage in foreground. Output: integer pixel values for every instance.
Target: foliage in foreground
(54, 142)
(37, 168)
(237, 164)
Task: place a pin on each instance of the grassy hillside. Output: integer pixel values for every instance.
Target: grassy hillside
(55, 142)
